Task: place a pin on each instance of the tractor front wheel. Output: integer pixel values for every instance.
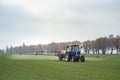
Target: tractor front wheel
(82, 58)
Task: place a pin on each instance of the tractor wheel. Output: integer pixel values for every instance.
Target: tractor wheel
(82, 58)
(60, 57)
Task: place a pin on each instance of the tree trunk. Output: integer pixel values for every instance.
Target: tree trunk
(117, 51)
(93, 51)
(88, 51)
(98, 51)
(103, 51)
(85, 51)
(111, 51)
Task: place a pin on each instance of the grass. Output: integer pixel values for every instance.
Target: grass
(93, 69)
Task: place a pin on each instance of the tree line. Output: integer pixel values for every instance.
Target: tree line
(40, 48)
(101, 44)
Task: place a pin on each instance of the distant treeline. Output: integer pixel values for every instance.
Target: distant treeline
(95, 46)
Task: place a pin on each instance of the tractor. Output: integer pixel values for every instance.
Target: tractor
(72, 53)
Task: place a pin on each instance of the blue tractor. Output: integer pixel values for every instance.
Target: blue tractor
(71, 54)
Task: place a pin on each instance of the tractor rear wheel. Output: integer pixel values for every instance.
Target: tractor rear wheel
(60, 57)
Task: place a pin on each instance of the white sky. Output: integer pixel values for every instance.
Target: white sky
(45, 21)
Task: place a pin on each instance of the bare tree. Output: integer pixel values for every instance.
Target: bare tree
(87, 46)
(117, 43)
(93, 47)
(111, 43)
(102, 44)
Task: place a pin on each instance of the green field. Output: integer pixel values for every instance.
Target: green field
(106, 67)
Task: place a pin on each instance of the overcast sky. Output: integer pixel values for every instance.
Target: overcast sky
(45, 21)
